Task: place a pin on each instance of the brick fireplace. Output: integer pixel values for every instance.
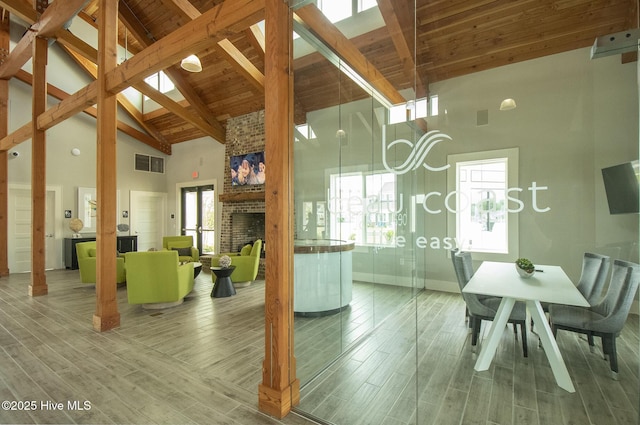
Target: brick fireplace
(243, 206)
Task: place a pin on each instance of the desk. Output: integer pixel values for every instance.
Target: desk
(551, 285)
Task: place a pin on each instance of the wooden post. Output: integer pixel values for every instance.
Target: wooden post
(107, 315)
(280, 388)
(4, 166)
(38, 284)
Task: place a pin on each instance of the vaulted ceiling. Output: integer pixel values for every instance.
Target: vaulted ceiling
(452, 38)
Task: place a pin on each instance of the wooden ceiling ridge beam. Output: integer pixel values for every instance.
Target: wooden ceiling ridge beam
(92, 69)
(232, 15)
(50, 22)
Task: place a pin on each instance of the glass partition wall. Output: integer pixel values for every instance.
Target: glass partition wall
(388, 183)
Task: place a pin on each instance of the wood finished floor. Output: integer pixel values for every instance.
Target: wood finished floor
(198, 363)
(377, 383)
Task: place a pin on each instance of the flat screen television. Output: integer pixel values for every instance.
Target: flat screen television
(247, 169)
(621, 187)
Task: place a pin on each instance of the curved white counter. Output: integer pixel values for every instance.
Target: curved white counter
(322, 276)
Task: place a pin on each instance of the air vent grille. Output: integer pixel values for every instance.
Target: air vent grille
(148, 163)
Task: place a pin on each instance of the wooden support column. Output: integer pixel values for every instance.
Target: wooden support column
(38, 284)
(280, 388)
(107, 315)
(4, 155)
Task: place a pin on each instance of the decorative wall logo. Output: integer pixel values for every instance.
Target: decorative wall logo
(418, 153)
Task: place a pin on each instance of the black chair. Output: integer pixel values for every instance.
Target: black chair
(485, 308)
(605, 319)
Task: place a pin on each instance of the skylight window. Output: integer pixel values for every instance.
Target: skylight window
(160, 82)
(305, 131)
(335, 10)
(413, 109)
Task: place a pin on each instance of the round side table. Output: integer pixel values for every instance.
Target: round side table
(223, 287)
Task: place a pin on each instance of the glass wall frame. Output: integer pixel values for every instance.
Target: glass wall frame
(409, 358)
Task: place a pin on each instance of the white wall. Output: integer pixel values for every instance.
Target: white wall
(574, 117)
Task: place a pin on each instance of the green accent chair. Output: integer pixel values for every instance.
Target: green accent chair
(86, 253)
(180, 244)
(156, 280)
(246, 261)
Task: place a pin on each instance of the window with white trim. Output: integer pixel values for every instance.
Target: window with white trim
(480, 221)
(363, 208)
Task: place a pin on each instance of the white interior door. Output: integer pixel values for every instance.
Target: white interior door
(19, 232)
(147, 216)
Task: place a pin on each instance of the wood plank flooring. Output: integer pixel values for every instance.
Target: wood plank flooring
(377, 382)
(197, 363)
(200, 362)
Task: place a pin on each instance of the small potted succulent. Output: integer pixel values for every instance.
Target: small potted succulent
(225, 261)
(525, 267)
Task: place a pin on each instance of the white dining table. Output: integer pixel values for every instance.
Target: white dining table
(548, 284)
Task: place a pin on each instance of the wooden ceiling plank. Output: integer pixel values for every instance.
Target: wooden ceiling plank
(174, 73)
(405, 52)
(212, 26)
(241, 64)
(183, 7)
(174, 107)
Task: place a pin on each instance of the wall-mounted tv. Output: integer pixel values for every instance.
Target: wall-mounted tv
(621, 187)
(247, 169)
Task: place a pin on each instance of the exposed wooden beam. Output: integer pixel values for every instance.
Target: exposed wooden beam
(256, 38)
(175, 107)
(106, 316)
(92, 69)
(279, 390)
(21, 136)
(38, 285)
(80, 100)
(344, 48)
(183, 7)
(51, 21)
(4, 165)
(397, 17)
(231, 16)
(67, 39)
(16, 137)
(25, 11)
(174, 73)
(241, 64)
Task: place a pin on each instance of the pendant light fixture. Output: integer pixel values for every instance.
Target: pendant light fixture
(191, 63)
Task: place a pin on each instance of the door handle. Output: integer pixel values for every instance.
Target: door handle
(199, 229)
(50, 235)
